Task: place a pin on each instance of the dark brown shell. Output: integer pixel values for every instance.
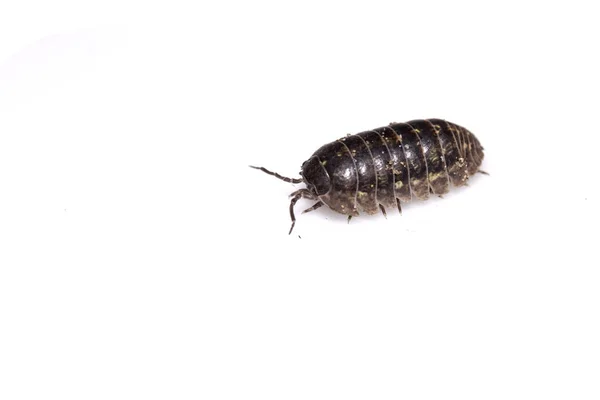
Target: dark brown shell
(387, 166)
(398, 162)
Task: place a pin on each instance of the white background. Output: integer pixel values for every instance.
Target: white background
(141, 258)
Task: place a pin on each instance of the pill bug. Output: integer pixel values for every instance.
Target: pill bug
(387, 166)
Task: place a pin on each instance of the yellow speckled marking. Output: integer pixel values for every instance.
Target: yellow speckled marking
(434, 176)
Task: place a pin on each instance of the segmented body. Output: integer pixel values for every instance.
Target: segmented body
(397, 163)
(384, 167)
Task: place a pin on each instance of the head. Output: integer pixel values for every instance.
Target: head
(317, 183)
(315, 176)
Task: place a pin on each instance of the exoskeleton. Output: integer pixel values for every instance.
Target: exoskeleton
(384, 167)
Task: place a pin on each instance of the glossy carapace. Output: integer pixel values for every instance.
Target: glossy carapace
(384, 167)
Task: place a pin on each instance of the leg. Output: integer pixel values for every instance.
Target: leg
(349, 218)
(313, 208)
(275, 174)
(297, 195)
(383, 211)
(482, 172)
(433, 193)
(399, 207)
(292, 204)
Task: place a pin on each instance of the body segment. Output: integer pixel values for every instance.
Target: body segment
(387, 166)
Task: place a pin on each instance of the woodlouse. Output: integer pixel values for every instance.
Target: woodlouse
(384, 167)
